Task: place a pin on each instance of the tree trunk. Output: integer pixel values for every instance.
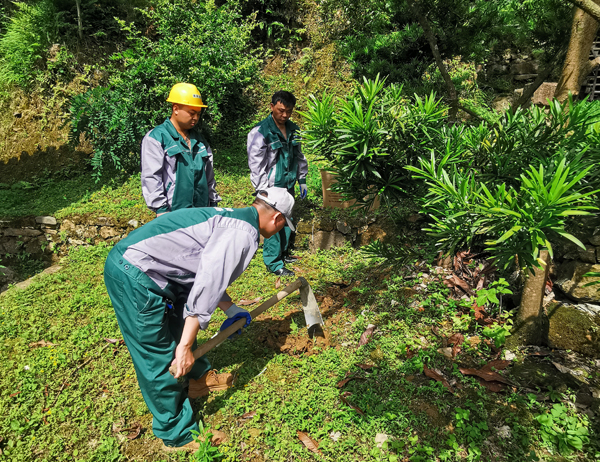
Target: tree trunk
(577, 64)
(531, 324)
(589, 6)
(79, 25)
(424, 22)
(530, 89)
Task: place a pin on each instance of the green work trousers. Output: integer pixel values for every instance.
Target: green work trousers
(151, 332)
(276, 247)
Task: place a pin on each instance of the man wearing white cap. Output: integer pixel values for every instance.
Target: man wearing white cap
(166, 279)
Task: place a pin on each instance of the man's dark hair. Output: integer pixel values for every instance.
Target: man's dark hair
(285, 97)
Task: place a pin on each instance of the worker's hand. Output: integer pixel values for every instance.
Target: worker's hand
(235, 313)
(303, 191)
(184, 359)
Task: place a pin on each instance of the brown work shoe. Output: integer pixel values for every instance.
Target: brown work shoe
(190, 447)
(211, 381)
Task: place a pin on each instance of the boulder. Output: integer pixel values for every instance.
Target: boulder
(524, 67)
(108, 232)
(570, 280)
(343, 227)
(46, 220)
(543, 93)
(323, 240)
(373, 233)
(67, 226)
(304, 227)
(575, 327)
(22, 232)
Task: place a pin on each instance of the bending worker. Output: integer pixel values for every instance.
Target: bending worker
(275, 159)
(177, 163)
(165, 280)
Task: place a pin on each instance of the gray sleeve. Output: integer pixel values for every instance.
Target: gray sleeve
(213, 196)
(153, 159)
(257, 160)
(227, 254)
(302, 167)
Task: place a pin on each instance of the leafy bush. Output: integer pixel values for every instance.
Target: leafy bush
(509, 186)
(29, 33)
(202, 44)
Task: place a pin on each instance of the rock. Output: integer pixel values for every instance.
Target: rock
(304, 227)
(525, 77)
(133, 223)
(343, 227)
(22, 232)
(571, 282)
(374, 233)
(504, 432)
(46, 220)
(101, 221)
(11, 246)
(67, 226)
(545, 92)
(323, 223)
(588, 255)
(509, 355)
(381, 438)
(575, 327)
(497, 69)
(502, 103)
(107, 232)
(524, 67)
(76, 242)
(324, 240)
(595, 238)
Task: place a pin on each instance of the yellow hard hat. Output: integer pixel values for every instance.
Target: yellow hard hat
(185, 93)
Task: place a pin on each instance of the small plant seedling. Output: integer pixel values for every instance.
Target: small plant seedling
(206, 452)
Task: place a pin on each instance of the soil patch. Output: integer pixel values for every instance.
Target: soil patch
(279, 337)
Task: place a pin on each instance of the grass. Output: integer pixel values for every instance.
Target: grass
(71, 397)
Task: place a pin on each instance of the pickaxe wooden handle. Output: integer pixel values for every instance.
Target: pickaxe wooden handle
(224, 334)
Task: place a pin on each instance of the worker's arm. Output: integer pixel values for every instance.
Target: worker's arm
(153, 188)
(227, 254)
(257, 160)
(213, 196)
(183, 354)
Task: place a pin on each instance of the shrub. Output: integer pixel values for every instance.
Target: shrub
(29, 33)
(509, 186)
(200, 43)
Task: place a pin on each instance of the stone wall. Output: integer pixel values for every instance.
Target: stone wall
(44, 239)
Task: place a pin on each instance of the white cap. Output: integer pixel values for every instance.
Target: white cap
(282, 201)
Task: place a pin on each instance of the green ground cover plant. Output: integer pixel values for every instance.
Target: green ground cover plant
(206, 45)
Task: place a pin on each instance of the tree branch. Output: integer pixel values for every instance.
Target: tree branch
(589, 6)
(423, 21)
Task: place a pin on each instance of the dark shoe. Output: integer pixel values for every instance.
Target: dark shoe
(284, 272)
(290, 259)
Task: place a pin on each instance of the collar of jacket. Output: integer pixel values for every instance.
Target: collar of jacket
(290, 127)
(172, 131)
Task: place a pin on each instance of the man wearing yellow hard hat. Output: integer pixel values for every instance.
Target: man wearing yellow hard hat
(177, 163)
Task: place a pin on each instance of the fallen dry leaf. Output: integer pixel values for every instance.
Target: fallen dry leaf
(218, 437)
(248, 415)
(486, 375)
(347, 403)
(133, 430)
(15, 394)
(111, 340)
(462, 284)
(278, 283)
(456, 340)
(341, 383)
(41, 344)
(308, 442)
(432, 374)
(498, 364)
(366, 336)
(365, 367)
(244, 302)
